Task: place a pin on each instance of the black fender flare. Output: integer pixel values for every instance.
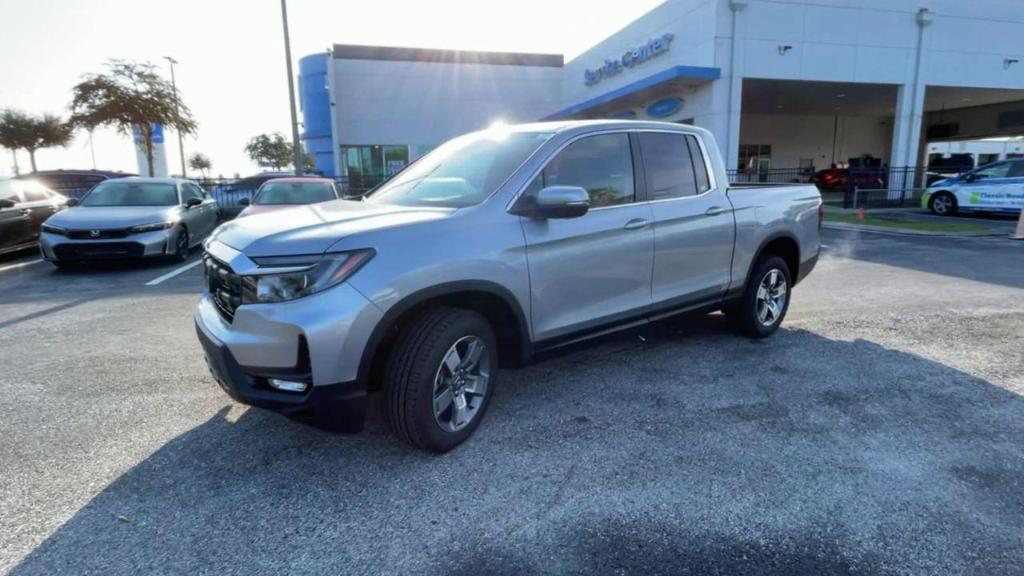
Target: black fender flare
(387, 322)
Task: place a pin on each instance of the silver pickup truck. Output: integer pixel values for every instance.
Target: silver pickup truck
(494, 247)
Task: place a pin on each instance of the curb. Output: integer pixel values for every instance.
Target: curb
(905, 232)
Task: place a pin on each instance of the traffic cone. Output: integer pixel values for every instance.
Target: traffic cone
(1019, 234)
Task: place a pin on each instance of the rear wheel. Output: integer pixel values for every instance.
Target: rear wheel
(440, 378)
(765, 300)
(943, 204)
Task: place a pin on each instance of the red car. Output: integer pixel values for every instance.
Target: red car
(284, 192)
(837, 179)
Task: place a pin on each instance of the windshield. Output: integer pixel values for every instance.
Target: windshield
(275, 193)
(462, 172)
(126, 193)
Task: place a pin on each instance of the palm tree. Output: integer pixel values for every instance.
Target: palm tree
(199, 161)
(130, 96)
(30, 133)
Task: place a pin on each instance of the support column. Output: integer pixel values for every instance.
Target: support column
(906, 128)
(731, 146)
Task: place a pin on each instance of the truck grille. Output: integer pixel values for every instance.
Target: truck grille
(225, 286)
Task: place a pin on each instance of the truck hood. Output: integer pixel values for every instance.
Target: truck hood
(314, 228)
(107, 217)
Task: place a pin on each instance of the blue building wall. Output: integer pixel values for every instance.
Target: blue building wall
(316, 111)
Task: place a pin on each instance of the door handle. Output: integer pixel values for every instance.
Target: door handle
(714, 211)
(26, 211)
(636, 224)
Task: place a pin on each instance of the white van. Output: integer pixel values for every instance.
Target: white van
(996, 187)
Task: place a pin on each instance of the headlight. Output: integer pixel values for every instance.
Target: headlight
(151, 227)
(290, 277)
(54, 229)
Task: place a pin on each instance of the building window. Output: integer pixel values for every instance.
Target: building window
(367, 166)
(755, 157)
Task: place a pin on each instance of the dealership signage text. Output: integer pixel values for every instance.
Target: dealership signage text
(631, 58)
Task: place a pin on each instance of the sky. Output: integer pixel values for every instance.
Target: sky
(230, 53)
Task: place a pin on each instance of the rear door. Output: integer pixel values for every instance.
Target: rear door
(694, 227)
(592, 270)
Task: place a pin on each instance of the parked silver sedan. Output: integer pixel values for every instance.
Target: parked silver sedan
(130, 218)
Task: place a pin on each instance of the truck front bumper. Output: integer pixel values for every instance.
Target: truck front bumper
(338, 406)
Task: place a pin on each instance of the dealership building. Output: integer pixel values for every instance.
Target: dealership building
(782, 84)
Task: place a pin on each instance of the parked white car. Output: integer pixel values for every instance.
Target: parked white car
(996, 187)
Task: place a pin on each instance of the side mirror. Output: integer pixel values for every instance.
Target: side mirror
(72, 202)
(193, 202)
(6, 203)
(245, 201)
(556, 202)
(970, 177)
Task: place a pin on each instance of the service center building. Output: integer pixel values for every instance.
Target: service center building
(782, 84)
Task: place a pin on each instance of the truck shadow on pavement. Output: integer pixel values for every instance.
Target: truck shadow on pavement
(688, 451)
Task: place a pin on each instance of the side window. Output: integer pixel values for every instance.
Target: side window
(993, 171)
(700, 166)
(9, 192)
(668, 165)
(602, 165)
(1016, 170)
(190, 191)
(35, 195)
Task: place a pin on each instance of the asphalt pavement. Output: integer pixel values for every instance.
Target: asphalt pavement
(880, 431)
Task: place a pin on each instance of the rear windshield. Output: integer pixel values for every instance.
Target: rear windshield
(122, 193)
(276, 193)
(462, 172)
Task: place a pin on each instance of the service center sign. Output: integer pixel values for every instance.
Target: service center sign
(631, 58)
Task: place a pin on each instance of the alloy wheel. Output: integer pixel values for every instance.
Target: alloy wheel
(771, 297)
(461, 383)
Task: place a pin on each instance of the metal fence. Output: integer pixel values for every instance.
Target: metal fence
(858, 187)
(772, 176)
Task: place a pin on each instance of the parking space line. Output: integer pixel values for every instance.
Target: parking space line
(174, 273)
(21, 264)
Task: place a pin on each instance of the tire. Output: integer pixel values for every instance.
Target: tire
(181, 246)
(943, 204)
(751, 315)
(418, 361)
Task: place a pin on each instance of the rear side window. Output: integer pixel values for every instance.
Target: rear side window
(700, 167)
(602, 165)
(1016, 170)
(35, 195)
(668, 164)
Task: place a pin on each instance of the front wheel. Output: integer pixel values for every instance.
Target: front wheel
(181, 244)
(765, 299)
(440, 377)
(943, 204)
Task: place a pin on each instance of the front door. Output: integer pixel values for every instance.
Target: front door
(693, 221)
(998, 188)
(595, 269)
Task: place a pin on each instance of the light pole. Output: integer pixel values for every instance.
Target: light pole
(296, 148)
(174, 88)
